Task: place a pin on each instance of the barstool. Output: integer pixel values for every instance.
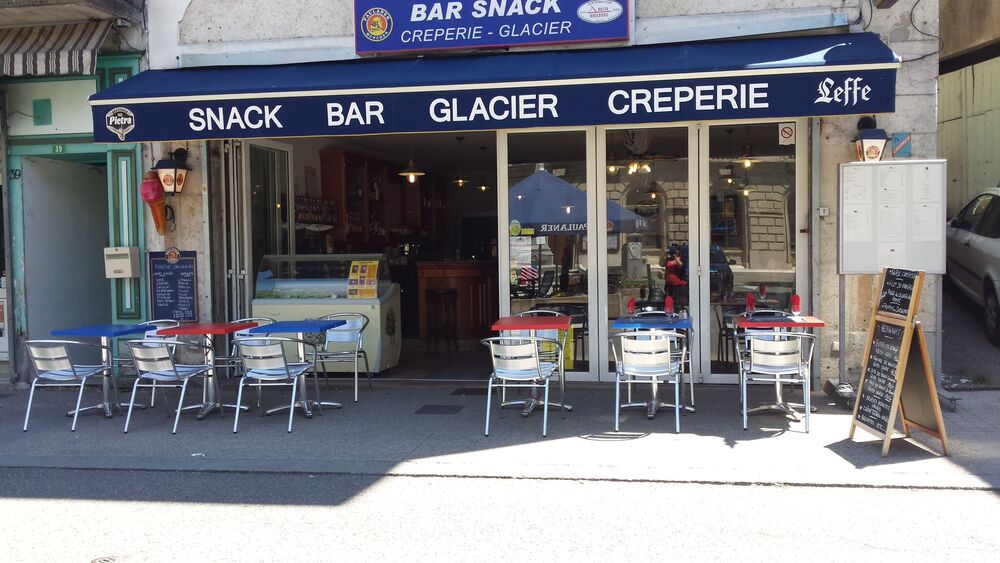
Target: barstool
(442, 319)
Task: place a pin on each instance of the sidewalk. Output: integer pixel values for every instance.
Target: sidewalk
(384, 434)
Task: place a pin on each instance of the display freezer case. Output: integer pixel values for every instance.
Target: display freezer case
(295, 287)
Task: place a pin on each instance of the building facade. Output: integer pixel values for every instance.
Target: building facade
(700, 209)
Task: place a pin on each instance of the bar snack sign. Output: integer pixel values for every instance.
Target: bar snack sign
(395, 26)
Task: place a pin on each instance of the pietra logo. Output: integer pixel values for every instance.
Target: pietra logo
(376, 24)
(120, 121)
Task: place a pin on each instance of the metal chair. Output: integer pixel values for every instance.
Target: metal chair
(517, 364)
(345, 344)
(231, 363)
(681, 355)
(650, 357)
(154, 362)
(779, 358)
(549, 354)
(264, 365)
(156, 325)
(51, 362)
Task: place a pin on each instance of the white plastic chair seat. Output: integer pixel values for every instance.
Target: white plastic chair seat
(769, 370)
(294, 370)
(546, 369)
(68, 375)
(183, 372)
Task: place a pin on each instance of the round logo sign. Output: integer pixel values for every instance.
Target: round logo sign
(515, 228)
(872, 152)
(376, 24)
(599, 11)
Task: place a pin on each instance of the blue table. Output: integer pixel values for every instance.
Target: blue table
(652, 322)
(105, 333)
(655, 322)
(300, 328)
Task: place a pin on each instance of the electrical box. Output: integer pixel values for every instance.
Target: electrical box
(121, 262)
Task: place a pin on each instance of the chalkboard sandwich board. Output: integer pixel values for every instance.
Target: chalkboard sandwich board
(173, 285)
(896, 374)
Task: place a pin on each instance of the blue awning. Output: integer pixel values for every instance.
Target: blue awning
(785, 77)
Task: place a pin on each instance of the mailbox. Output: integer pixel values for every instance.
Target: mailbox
(121, 262)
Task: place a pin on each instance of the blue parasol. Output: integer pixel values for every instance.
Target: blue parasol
(552, 206)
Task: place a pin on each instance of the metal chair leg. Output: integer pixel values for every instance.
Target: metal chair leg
(180, 404)
(806, 387)
(677, 403)
(489, 401)
(152, 395)
(79, 399)
(618, 402)
(239, 403)
(291, 406)
(31, 397)
(545, 411)
(355, 377)
(131, 403)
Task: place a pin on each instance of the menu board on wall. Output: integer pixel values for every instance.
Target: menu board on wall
(362, 282)
(892, 215)
(173, 285)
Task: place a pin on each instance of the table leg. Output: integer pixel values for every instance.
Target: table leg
(304, 401)
(107, 404)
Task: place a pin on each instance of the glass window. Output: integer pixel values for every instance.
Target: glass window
(969, 217)
(990, 224)
(547, 198)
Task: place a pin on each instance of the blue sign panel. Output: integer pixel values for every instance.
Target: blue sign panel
(465, 107)
(173, 285)
(397, 26)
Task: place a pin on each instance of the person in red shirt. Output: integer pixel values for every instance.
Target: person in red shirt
(675, 285)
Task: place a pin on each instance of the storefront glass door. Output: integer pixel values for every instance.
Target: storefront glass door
(702, 214)
(260, 215)
(752, 229)
(547, 182)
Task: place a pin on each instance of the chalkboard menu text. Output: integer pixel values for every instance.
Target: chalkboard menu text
(879, 384)
(173, 285)
(897, 292)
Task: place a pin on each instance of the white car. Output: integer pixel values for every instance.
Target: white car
(974, 255)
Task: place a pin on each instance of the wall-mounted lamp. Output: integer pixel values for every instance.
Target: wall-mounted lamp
(173, 171)
(870, 141)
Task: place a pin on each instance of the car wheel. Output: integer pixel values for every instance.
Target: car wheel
(992, 318)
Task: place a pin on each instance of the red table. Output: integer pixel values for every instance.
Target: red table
(531, 323)
(547, 322)
(209, 398)
(778, 321)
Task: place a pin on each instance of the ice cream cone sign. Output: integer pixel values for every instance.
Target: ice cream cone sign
(152, 193)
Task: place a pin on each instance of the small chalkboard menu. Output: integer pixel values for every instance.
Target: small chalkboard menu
(173, 285)
(895, 348)
(875, 398)
(897, 292)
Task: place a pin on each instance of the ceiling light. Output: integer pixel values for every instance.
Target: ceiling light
(460, 181)
(411, 172)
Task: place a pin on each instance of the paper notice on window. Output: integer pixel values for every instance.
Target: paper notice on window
(520, 252)
(857, 185)
(858, 223)
(925, 188)
(928, 223)
(891, 223)
(890, 185)
(891, 255)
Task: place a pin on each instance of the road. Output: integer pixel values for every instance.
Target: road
(968, 358)
(87, 515)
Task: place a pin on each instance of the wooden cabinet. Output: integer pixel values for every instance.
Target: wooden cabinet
(477, 304)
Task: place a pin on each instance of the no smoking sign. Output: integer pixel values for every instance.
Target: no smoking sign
(786, 133)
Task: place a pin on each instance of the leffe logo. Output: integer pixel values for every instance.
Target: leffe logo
(849, 92)
(120, 121)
